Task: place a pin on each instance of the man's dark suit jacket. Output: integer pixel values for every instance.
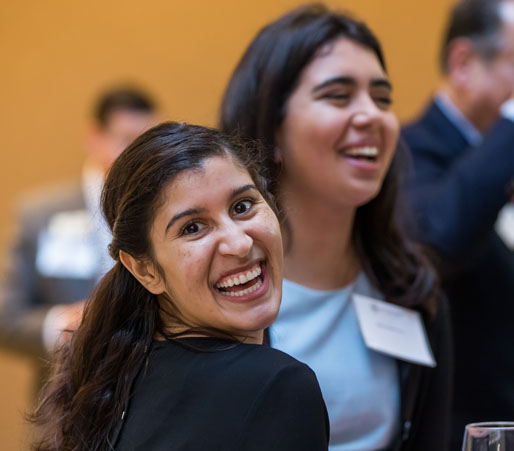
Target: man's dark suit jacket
(456, 192)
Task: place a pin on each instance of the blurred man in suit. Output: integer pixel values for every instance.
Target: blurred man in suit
(463, 155)
(61, 249)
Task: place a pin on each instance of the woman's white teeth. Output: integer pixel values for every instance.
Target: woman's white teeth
(362, 152)
(245, 291)
(243, 278)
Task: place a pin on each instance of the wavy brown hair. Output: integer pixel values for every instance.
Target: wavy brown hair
(85, 399)
(254, 105)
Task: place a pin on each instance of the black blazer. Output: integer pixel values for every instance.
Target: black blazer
(456, 192)
(209, 394)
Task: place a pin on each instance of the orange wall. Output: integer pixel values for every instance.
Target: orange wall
(57, 54)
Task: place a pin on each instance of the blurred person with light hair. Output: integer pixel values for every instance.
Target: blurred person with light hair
(60, 251)
(463, 169)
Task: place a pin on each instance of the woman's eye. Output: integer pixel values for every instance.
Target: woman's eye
(243, 206)
(192, 228)
(384, 102)
(337, 96)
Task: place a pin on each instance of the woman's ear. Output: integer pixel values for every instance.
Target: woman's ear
(277, 155)
(145, 272)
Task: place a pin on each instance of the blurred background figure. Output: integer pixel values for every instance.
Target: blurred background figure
(61, 248)
(463, 152)
(505, 224)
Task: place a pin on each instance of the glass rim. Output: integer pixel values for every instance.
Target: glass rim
(491, 425)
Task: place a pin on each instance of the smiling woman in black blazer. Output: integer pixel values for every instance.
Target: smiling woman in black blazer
(169, 354)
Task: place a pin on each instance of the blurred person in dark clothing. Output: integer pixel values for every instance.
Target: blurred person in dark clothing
(463, 167)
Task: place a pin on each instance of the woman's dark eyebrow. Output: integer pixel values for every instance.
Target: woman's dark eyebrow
(188, 212)
(381, 82)
(350, 81)
(242, 189)
(335, 81)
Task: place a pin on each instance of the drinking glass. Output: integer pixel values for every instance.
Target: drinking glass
(493, 436)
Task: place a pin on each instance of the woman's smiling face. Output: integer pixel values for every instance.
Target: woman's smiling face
(219, 248)
(339, 135)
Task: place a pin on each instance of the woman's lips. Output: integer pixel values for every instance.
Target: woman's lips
(249, 287)
(240, 277)
(366, 158)
(364, 152)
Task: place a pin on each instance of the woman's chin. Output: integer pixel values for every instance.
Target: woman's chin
(263, 320)
(364, 196)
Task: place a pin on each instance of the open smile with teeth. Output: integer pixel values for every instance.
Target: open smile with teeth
(243, 283)
(368, 153)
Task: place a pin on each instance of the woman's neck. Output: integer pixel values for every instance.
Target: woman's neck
(173, 329)
(319, 250)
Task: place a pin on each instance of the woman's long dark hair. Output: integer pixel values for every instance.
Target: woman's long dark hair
(254, 105)
(85, 399)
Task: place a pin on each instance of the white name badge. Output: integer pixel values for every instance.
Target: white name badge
(393, 330)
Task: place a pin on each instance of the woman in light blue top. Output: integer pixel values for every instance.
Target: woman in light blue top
(313, 87)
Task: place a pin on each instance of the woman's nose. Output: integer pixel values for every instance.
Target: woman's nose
(234, 240)
(366, 112)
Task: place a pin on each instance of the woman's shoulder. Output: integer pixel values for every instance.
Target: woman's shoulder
(291, 388)
(274, 356)
(231, 375)
(225, 357)
(184, 385)
(264, 363)
(273, 361)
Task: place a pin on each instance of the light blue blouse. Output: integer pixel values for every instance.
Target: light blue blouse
(360, 386)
